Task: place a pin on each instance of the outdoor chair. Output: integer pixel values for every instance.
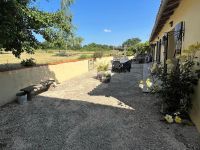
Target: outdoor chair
(117, 66)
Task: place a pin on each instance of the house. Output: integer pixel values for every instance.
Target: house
(177, 26)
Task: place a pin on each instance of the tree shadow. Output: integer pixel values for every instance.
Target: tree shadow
(15, 80)
(58, 123)
(55, 123)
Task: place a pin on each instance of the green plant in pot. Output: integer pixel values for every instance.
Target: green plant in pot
(106, 77)
(102, 73)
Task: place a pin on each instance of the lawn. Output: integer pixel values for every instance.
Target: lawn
(9, 61)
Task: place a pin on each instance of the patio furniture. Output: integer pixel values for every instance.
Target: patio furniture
(116, 66)
(122, 65)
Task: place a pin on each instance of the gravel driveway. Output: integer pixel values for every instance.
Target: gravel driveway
(84, 114)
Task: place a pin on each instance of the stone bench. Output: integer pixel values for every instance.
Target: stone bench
(35, 89)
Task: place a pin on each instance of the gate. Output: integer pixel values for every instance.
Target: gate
(90, 64)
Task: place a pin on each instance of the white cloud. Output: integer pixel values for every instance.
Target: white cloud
(107, 30)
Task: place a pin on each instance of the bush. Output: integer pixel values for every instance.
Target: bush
(129, 53)
(177, 86)
(178, 80)
(98, 54)
(50, 51)
(62, 53)
(84, 56)
(107, 75)
(102, 67)
(28, 62)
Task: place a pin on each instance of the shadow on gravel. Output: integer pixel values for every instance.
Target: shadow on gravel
(74, 124)
(123, 86)
(52, 123)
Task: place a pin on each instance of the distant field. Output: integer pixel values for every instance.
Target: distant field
(9, 61)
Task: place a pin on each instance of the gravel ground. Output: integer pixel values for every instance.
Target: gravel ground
(84, 114)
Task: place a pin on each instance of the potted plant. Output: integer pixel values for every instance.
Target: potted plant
(101, 69)
(106, 78)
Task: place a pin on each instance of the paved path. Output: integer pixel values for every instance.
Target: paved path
(83, 114)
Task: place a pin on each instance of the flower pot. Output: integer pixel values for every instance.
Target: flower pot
(21, 98)
(100, 75)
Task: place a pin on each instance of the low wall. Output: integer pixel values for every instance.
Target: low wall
(13, 81)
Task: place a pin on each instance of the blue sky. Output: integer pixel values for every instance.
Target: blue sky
(110, 21)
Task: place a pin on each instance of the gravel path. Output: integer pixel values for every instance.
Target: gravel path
(84, 114)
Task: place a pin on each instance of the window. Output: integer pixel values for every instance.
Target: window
(175, 39)
(158, 51)
(178, 36)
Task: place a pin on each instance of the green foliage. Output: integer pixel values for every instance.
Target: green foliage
(74, 43)
(28, 62)
(131, 42)
(107, 75)
(102, 67)
(71, 43)
(130, 53)
(20, 20)
(98, 54)
(97, 47)
(178, 81)
(50, 51)
(140, 48)
(53, 46)
(84, 56)
(134, 45)
(177, 86)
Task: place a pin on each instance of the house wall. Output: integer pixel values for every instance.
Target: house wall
(188, 11)
(13, 81)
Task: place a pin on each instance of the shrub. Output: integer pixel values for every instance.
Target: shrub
(98, 54)
(177, 82)
(62, 53)
(177, 87)
(28, 62)
(102, 67)
(129, 53)
(107, 75)
(50, 51)
(84, 56)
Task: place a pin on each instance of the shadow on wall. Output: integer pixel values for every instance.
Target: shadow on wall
(13, 81)
(9, 66)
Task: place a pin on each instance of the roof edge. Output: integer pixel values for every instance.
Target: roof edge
(166, 7)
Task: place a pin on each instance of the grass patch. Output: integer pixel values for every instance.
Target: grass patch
(85, 56)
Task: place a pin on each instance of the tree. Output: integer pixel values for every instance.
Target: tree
(131, 42)
(19, 21)
(97, 47)
(140, 48)
(74, 42)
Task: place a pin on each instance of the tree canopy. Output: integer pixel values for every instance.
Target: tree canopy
(97, 47)
(131, 42)
(71, 43)
(140, 48)
(20, 21)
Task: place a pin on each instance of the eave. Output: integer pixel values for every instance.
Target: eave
(166, 10)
